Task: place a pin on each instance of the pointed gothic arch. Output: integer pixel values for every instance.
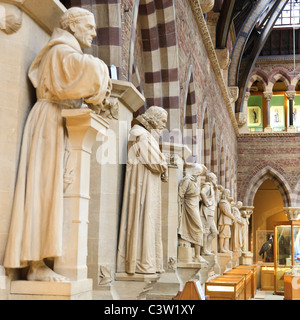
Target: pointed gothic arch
(262, 175)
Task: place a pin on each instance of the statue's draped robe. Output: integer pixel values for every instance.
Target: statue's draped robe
(237, 230)
(140, 237)
(62, 76)
(225, 220)
(190, 225)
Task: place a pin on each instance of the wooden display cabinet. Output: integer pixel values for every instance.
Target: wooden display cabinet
(225, 288)
(286, 251)
(247, 277)
(267, 277)
(253, 270)
(291, 287)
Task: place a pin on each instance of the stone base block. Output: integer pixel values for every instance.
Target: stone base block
(41, 290)
(224, 261)
(134, 286)
(246, 258)
(165, 288)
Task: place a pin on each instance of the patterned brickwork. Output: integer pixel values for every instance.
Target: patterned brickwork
(269, 156)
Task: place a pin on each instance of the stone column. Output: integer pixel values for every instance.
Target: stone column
(291, 96)
(82, 125)
(246, 258)
(268, 96)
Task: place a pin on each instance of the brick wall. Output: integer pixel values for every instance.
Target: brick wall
(269, 156)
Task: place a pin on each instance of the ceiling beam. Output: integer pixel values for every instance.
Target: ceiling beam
(224, 23)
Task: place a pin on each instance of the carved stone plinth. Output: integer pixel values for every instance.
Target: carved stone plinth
(246, 258)
(235, 258)
(42, 290)
(133, 286)
(83, 125)
(224, 261)
(292, 213)
(189, 271)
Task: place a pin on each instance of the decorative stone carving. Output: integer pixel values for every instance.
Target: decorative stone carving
(223, 58)
(290, 95)
(207, 5)
(225, 221)
(140, 238)
(190, 226)
(10, 18)
(241, 118)
(292, 213)
(233, 93)
(268, 95)
(208, 208)
(64, 77)
(104, 275)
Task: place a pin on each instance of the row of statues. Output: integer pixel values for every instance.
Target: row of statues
(200, 205)
(65, 77)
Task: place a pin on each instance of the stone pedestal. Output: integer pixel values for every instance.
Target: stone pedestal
(235, 258)
(108, 165)
(83, 125)
(41, 290)
(192, 270)
(246, 258)
(224, 261)
(134, 286)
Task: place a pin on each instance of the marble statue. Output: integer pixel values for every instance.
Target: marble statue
(208, 206)
(189, 225)
(237, 227)
(140, 236)
(64, 77)
(225, 221)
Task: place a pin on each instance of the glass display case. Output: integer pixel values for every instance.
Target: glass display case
(264, 246)
(286, 251)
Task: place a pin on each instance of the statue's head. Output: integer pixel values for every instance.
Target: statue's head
(81, 23)
(211, 177)
(226, 194)
(157, 117)
(239, 204)
(198, 169)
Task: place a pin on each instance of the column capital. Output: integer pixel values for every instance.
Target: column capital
(247, 96)
(268, 95)
(292, 213)
(290, 95)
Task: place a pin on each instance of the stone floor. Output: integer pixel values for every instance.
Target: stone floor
(267, 295)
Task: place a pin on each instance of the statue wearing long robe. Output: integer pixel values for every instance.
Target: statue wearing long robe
(64, 77)
(190, 225)
(140, 237)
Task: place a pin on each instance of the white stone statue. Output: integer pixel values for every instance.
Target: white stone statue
(225, 221)
(189, 222)
(140, 237)
(246, 214)
(64, 77)
(208, 207)
(237, 227)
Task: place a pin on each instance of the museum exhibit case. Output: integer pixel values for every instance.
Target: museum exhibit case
(286, 251)
(247, 276)
(253, 270)
(225, 288)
